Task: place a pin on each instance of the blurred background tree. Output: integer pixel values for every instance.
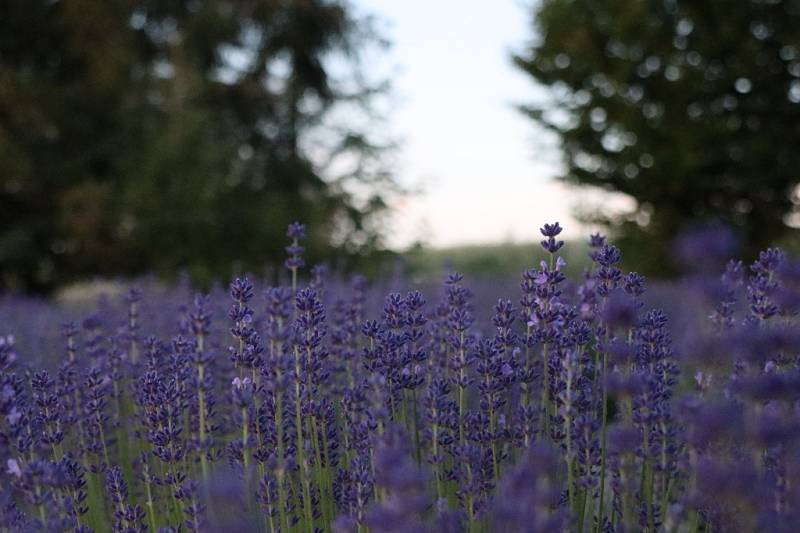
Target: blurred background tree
(183, 135)
(692, 108)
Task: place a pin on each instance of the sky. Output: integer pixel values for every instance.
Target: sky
(484, 170)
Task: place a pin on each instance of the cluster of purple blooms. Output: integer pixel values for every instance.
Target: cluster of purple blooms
(299, 408)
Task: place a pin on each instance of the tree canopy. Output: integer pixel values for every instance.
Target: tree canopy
(692, 108)
(166, 136)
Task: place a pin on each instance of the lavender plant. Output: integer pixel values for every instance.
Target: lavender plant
(575, 406)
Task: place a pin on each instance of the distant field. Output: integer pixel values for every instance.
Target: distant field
(489, 260)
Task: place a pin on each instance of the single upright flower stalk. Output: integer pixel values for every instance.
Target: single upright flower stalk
(279, 309)
(132, 298)
(608, 277)
(200, 324)
(460, 319)
(295, 262)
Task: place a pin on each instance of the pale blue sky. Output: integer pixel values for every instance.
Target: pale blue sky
(485, 170)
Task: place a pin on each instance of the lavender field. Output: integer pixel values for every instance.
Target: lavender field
(330, 405)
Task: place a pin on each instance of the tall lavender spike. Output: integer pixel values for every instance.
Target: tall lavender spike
(74, 488)
(126, 517)
(607, 274)
(460, 340)
(414, 354)
(95, 389)
(296, 231)
(762, 284)
(551, 231)
(441, 414)
(48, 418)
(132, 298)
(319, 274)
(242, 394)
(203, 402)
(346, 320)
(246, 352)
(473, 470)
(308, 332)
(38, 482)
(354, 485)
(193, 508)
(542, 299)
(491, 382)
(276, 375)
(93, 345)
(731, 282)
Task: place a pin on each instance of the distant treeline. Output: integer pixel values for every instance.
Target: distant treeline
(691, 108)
(160, 136)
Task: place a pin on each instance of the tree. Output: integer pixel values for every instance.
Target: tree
(692, 108)
(157, 135)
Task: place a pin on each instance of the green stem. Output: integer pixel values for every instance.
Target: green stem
(284, 521)
(492, 427)
(664, 474)
(694, 522)
(568, 458)
(415, 426)
(201, 409)
(626, 507)
(319, 474)
(545, 407)
(603, 432)
(245, 454)
(435, 447)
(582, 515)
(279, 427)
(309, 522)
(149, 502)
(461, 390)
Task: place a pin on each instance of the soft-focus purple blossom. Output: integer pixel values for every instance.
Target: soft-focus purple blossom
(528, 498)
(295, 232)
(706, 248)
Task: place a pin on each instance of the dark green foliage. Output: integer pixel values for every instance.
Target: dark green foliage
(690, 107)
(155, 135)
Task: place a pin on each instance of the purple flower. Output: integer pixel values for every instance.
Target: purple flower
(126, 517)
(528, 496)
(596, 240)
(403, 483)
(551, 231)
(706, 248)
(296, 230)
(12, 467)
